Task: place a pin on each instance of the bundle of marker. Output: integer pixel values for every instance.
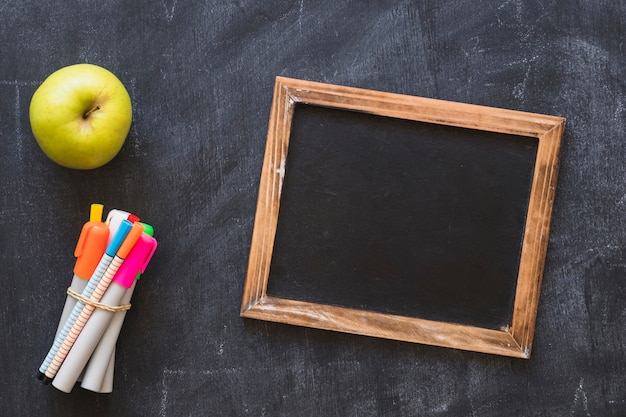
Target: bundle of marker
(111, 256)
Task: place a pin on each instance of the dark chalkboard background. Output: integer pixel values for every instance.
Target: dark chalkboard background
(201, 77)
(402, 217)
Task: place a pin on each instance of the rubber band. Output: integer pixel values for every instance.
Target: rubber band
(106, 307)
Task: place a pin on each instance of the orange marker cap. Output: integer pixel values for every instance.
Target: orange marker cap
(130, 240)
(92, 243)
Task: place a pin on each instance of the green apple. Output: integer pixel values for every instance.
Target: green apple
(80, 116)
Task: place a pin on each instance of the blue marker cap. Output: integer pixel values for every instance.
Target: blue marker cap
(119, 237)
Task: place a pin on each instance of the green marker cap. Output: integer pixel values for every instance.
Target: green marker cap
(149, 230)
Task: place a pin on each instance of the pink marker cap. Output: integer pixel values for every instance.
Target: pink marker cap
(136, 261)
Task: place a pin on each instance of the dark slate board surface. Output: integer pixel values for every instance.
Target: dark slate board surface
(400, 217)
(201, 78)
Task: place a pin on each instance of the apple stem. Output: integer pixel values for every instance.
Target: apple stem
(88, 112)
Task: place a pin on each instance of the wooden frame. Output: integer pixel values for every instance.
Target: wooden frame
(515, 340)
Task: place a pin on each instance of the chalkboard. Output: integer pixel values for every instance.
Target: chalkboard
(402, 217)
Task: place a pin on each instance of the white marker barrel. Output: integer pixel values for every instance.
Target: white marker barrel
(96, 369)
(107, 383)
(86, 342)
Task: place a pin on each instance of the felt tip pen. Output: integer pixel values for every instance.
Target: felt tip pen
(91, 245)
(113, 220)
(84, 348)
(104, 263)
(96, 296)
(96, 377)
(107, 383)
